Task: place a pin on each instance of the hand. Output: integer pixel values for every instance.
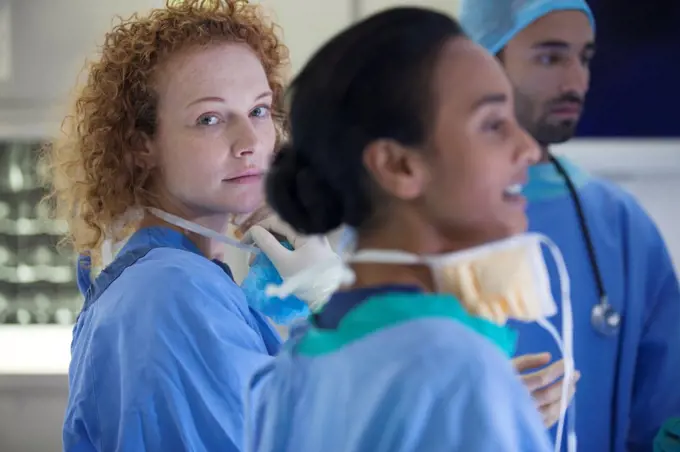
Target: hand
(307, 251)
(244, 222)
(545, 385)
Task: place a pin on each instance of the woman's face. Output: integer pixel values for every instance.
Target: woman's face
(480, 155)
(215, 133)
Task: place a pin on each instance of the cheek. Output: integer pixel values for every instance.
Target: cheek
(187, 160)
(473, 192)
(266, 134)
(539, 87)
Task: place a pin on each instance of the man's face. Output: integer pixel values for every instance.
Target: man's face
(548, 65)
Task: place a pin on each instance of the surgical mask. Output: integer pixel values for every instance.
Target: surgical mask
(282, 310)
(498, 281)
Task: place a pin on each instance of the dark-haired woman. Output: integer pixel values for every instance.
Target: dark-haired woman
(404, 130)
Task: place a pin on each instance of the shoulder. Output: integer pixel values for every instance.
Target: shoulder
(609, 195)
(170, 307)
(630, 219)
(475, 399)
(451, 343)
(171, 282)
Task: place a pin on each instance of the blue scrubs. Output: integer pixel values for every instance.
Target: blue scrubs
(630, 383)
(162, 352)
(392, 370)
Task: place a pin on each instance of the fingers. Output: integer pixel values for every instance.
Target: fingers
(269, 244)
(544, 377)
(244, 222)
(549, 400)
(527, 362)
(274, 224)
(551, 394)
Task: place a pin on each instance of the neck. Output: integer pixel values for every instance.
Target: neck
(545, 154)
(411, 236)
(212, 249)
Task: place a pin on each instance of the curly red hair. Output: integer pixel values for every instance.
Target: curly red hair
(92, 171)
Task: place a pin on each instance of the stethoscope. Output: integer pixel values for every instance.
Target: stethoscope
(604, 318)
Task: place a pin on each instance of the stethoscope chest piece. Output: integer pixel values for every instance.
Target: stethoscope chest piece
(605, 319)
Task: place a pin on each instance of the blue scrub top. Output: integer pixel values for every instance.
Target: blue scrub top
(392, 370)
(629, 383)
(162, 352)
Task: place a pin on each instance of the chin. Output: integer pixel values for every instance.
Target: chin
(244, 206)
(242, 200)
(557, 134)
(517, 226)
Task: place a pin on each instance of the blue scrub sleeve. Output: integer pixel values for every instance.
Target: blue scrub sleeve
(656, 390)
(179, 385)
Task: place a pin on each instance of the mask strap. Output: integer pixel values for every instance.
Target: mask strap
(201, 230)
(372, 256)
(566, 346)
(347, 242)
(107, 252)
(344, 275)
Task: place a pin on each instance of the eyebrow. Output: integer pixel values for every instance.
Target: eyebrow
(220, 99)
(490, 99)
(560, 45)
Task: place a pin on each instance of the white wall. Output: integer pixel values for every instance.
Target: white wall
(447, 6)
(50, 41)
(306, 24)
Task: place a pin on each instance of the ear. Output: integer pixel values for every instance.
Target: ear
(147, 154)
(398, 170)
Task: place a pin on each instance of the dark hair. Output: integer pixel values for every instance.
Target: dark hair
(370, 82)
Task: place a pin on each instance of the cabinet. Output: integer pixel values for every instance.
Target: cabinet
(37, 282)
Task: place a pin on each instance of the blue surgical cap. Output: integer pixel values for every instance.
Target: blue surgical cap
(493, 23)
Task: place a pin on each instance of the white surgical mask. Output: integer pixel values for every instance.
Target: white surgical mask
(498, 281)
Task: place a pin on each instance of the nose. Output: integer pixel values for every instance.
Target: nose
(576, 77)
(528, 150)
(242, 137)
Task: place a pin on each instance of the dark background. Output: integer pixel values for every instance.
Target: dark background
(635, 78)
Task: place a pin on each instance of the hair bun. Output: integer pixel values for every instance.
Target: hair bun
(300, 197)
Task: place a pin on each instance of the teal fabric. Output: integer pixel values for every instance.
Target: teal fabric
(383, 311)
(668, 438)
(546, 183)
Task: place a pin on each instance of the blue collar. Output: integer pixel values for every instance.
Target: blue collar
(164, 237)
(159, 236)
(545, 182)
(341, 303)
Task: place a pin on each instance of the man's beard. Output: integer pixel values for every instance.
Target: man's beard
(547, 134)
(544, 132)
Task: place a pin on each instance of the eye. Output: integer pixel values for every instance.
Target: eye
(494, 126)
(260, 112)
(549, 59)
(208, 119)
(586, 60)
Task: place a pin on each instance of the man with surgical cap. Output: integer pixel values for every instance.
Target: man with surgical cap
(625, 293)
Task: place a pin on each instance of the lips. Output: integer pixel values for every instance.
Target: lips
(513, 190)
(566, 109)
(246, 177)
(513, 195)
